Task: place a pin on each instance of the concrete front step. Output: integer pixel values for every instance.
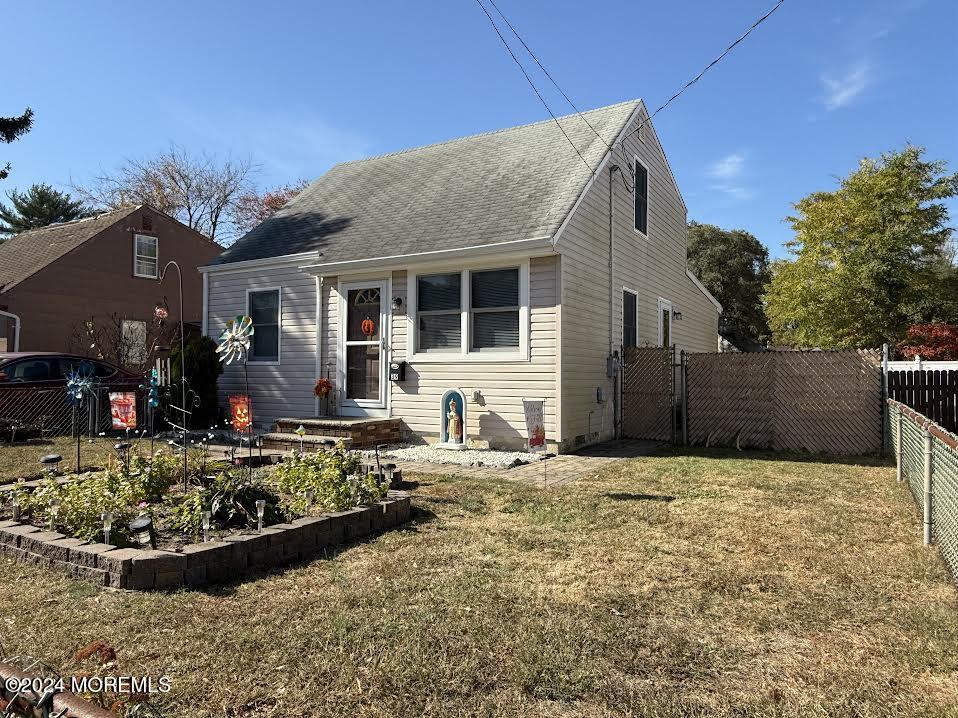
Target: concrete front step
(362, 432)
(310, 442)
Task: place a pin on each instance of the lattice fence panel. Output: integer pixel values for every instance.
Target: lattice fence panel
(647, 393)
(799, 401)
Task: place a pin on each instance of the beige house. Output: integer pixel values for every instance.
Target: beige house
(500, 265)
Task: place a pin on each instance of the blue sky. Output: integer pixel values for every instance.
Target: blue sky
(299, 86)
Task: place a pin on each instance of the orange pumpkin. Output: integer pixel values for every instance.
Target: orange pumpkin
(369, 327)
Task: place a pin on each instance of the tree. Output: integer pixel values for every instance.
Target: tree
(198, 190)
(733, 266)
(12, 128)
(253, 208)
(37, 207)
(934, 342)
(868, 258)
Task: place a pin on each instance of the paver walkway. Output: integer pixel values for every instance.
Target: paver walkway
(550, 473)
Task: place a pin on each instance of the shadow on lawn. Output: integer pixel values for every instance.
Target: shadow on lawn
(619, 496)
(768, 455)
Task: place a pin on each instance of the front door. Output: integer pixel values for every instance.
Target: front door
(364, 359)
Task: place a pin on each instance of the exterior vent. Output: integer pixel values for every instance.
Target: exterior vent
(147, 223)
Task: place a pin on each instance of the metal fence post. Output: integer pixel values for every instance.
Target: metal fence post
(898, 449)
(929, 448)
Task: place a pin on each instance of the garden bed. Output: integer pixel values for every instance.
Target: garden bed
(247, 519)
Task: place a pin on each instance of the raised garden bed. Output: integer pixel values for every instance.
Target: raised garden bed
(87, 525)
(199, 564)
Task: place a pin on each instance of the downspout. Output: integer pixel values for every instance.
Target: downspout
(613, 363)
(16, 328)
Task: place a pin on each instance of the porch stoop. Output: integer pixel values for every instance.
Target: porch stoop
(354, 433)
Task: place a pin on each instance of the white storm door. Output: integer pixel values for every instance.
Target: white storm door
(363, 357)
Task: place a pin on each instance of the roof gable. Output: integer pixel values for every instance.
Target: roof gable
(26, 253)
(512, 184)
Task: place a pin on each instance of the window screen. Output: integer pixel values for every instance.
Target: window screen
(495, 309)
(438, 312)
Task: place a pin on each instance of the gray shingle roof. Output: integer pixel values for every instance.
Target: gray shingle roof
(517, 183)
(25, 254)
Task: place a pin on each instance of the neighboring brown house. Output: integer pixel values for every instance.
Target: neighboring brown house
(54, 279)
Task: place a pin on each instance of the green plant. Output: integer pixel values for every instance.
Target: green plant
(328, 476)
(82, 503)
(231, 499)
(203, 369)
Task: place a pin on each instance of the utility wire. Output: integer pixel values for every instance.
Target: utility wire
(707, 67)
(533, 85)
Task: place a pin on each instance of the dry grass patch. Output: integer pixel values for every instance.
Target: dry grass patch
(714, 584)
(22, 460)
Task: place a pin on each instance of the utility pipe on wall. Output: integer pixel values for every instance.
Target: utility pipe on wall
(16, 329)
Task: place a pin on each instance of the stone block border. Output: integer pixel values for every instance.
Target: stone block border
(204, 563)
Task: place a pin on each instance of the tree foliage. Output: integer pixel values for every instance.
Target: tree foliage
(869, 258)
(934, 342)
(12, 128)
(253, 208)
(733, 266)
(203, 369)
(201, 191)
(37, 207)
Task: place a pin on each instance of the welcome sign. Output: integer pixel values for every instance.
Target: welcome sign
(535, 423)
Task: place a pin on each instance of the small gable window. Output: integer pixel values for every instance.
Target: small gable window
(641, 191)
(145, 256)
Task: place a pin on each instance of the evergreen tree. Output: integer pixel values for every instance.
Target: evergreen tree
(10, 129)
(37, 207)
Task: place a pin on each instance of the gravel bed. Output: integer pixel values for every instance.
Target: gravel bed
(468, 457)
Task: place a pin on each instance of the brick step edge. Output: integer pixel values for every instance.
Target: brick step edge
(65, 704)
(200, 564)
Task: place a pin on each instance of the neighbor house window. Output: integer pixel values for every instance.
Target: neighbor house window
(641, 191)
(134, 341)
(438, 312)
(494, 309)
(665, 323)
(264, 309)
(145, 256)
(630, 318)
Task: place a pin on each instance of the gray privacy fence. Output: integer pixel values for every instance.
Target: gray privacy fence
(927, 460)
(817, 401)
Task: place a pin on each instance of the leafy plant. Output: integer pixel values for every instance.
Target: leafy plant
(328, 476)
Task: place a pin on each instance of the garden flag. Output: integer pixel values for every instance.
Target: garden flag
(535, 423)
(241, 413)
(123, 409)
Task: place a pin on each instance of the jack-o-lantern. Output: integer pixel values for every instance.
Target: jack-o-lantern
(368, 327)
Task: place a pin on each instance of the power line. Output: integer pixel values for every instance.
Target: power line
(546, 72)
(707, 67)
(533, 85)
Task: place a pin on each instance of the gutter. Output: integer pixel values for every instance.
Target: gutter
(16, 329)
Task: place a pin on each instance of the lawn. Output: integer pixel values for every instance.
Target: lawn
(22, 460)
(715, 584)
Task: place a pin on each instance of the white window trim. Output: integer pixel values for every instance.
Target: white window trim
(465, 355)
(648, 193)
(156, 239)
(365, 407)
(279, 321)
(662, 304)
(622, 323)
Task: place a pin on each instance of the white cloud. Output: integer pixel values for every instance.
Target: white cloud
(725, 171)
(841, 91)
(729, 167)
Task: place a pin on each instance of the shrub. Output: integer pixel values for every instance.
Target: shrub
(203, 369)
(327, 475)
(231, 499)
(82, 503)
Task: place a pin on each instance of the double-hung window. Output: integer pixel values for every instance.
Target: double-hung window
(494, 310)
(439, 310)
(264, 310)
(471, 312)
(145, 256)
(641, 192)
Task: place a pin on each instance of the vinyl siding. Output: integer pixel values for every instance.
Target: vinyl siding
(652, 266)
(500, 421)
(277, 390)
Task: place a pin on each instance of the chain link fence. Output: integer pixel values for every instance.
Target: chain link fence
(927, 460)
(45, 411)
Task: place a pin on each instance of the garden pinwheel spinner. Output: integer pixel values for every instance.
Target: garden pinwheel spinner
(235, 339)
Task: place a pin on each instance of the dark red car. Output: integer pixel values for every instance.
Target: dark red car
(33, 392)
